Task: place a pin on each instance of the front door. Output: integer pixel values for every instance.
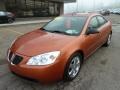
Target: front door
(92, 40)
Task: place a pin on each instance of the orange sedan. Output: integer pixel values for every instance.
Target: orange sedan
(57, 50)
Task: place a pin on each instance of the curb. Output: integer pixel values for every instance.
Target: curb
(24, 23)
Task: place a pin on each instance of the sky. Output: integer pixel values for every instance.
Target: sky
(89, 5)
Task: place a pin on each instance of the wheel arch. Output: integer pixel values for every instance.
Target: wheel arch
(111, 32)
(68, 60)
(73, 52)
(81, 52)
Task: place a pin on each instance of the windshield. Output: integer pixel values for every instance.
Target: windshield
(71, 25)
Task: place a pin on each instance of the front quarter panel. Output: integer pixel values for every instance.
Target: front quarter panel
(71, 48)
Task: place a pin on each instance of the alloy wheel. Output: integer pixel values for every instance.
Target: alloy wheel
(74, 67)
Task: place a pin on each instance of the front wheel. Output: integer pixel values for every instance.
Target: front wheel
(108, 42)
(10, 20)
(73, 67)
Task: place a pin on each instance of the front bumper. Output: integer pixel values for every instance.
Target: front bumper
(47, 73)
(43, 74)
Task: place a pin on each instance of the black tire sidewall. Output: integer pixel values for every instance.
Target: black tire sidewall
(10, 20)
(106, 43)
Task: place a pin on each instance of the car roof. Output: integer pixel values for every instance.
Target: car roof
(82, 14)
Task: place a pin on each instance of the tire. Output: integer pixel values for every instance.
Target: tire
(73, 67)
(10, 20)
(108, 42)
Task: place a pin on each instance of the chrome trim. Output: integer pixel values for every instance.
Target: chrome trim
(12, 58)
(8, 55)
(12, 63)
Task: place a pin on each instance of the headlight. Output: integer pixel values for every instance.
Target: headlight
(44, 59)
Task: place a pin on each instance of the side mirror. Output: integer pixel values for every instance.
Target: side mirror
(92, 31)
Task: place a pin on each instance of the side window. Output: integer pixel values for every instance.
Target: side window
(94, 23)
(101, 20)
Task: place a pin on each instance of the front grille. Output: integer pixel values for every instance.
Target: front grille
(14, 59)
(17, 59)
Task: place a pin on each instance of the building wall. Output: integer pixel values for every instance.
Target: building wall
(65, 1)
(32, 7)
(2, 6)
(61, 8)
(25, 8)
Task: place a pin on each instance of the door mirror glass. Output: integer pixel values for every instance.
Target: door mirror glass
(92, 30)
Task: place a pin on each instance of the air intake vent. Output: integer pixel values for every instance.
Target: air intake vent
(15, 59)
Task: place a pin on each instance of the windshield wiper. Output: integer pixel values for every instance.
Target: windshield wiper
(45, 29)
(56, 31)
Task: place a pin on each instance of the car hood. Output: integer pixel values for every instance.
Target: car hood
(38, 42)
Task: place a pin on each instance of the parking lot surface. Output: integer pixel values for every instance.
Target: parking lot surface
(100, 72)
